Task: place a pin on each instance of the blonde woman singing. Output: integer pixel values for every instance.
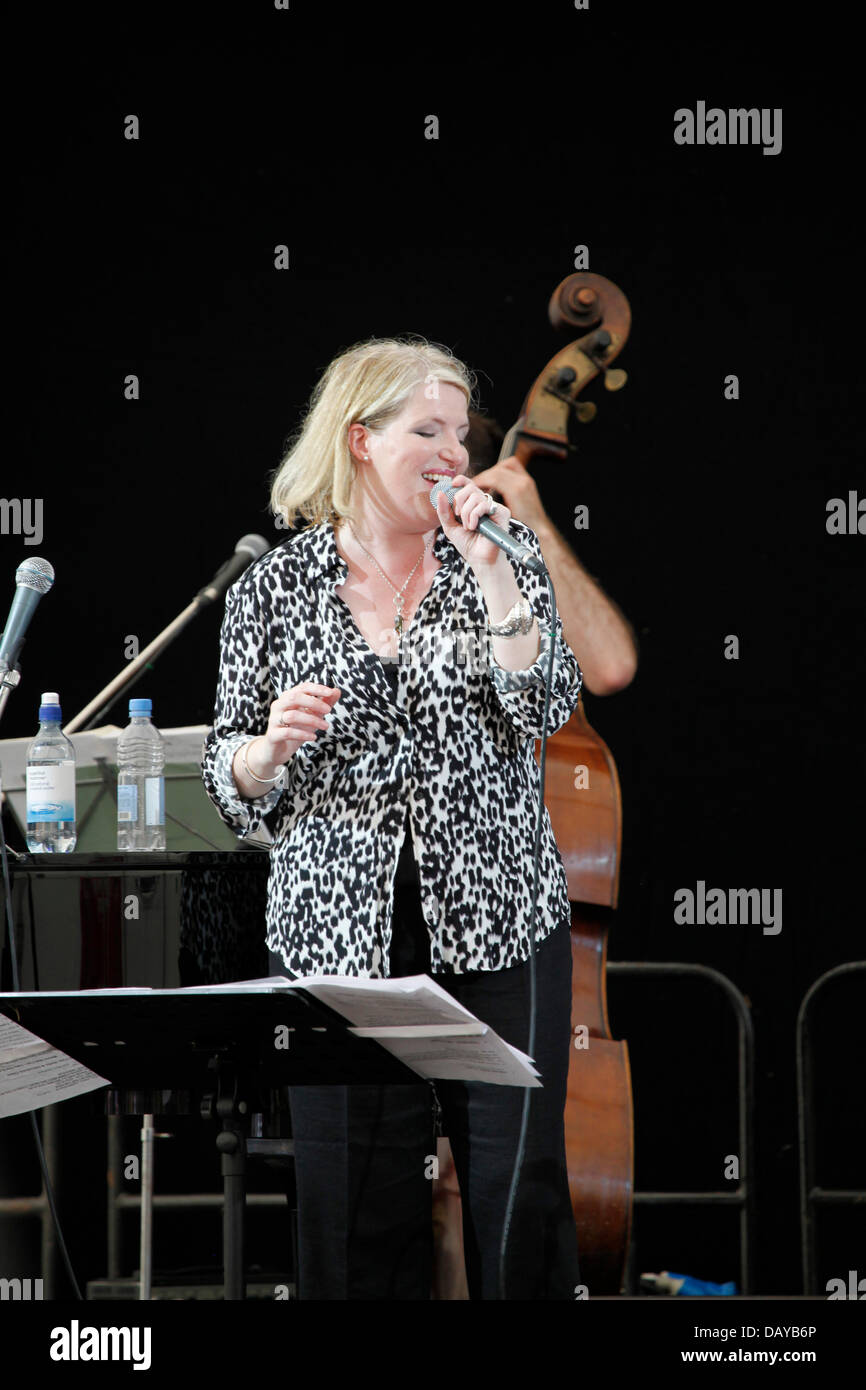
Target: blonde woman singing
(381, 686)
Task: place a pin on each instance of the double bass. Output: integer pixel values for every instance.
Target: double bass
(582, 795)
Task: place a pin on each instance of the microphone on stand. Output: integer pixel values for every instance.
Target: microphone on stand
(33, 578)
(514, 549)
(248, 548)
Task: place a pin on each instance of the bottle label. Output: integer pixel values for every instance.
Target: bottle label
(51, 792)
(154, 800)
(127, 803)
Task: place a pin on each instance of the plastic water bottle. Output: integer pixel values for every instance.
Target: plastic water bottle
(50, 784)
(140, 782)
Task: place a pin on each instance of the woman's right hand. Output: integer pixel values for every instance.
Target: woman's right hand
(295, 717)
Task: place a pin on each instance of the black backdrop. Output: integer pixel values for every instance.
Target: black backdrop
(707, 516)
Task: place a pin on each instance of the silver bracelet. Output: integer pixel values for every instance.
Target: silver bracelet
(264, 780)
(518, 620)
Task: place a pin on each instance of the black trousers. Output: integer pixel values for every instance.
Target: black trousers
(363, 1153)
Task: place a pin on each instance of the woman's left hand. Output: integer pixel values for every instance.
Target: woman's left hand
(470, 505)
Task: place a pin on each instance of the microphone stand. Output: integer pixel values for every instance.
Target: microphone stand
(110, 694)
(252, 547)
(10, 677)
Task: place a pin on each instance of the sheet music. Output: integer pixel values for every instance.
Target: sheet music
(400, 1013)
(457, 1052)
(33, 1073)
(409, 999)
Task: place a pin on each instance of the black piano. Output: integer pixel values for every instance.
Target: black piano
(97, 921)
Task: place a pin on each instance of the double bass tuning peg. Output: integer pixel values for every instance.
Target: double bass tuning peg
(559, 387)
(615, 378)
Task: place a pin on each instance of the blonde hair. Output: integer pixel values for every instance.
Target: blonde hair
(367, 384)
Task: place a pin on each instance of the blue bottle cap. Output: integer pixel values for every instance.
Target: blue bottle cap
(50, 706)
(140, 707)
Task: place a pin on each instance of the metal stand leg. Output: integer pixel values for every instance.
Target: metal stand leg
(231, 1142)
(146, 1239)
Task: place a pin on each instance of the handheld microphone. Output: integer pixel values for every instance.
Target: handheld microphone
(514, 549)
(33, 578)
(248, 548)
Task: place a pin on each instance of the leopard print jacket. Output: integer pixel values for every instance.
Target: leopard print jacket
(454, 748)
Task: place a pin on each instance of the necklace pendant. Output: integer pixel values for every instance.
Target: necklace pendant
(399, 605)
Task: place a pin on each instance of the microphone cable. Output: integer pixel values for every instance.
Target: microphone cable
(533, 1010)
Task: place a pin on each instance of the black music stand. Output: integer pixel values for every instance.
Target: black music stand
(222, 1043)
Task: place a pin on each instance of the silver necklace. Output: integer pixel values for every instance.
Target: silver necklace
(399, 594)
